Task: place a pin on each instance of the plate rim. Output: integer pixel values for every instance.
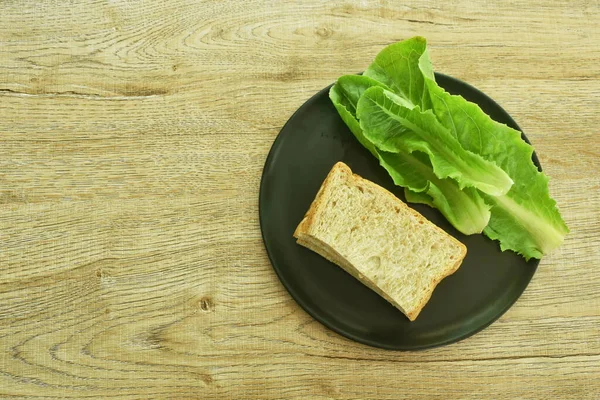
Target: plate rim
(308, 308)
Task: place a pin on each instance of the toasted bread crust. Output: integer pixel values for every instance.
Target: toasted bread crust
(413, 315)
(309, 217)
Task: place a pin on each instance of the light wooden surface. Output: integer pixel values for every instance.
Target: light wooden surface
(133, 136)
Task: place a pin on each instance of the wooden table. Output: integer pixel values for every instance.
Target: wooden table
(133, 136)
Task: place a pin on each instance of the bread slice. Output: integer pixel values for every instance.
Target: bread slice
(378, 239)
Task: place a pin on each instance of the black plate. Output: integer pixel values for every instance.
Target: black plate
(313, 140)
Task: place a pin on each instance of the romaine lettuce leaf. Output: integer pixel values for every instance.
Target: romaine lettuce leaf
(391, 126)
(525, 219)
(407, 60)
(464, 209)
(345, 95)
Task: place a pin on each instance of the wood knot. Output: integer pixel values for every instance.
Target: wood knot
(207, 379)
(206, 304)
(105, 277)
(324, 32)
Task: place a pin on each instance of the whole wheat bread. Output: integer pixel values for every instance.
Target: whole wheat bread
(378, 239)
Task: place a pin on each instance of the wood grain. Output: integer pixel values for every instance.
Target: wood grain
(133, 136)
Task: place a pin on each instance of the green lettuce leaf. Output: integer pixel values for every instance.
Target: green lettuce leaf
(407, 60)
(526, 218)
(464, 209)
(392, 126)
(345, 95)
